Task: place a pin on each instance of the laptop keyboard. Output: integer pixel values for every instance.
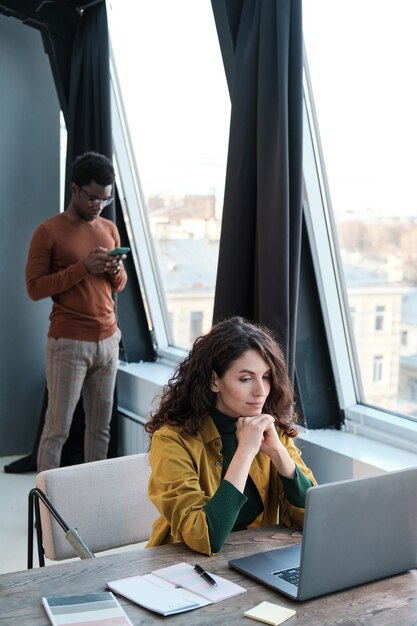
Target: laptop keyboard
(290, 575)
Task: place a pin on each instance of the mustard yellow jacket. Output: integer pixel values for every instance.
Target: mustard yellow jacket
(186, 473)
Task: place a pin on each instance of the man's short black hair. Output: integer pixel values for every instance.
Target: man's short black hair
(92, 166)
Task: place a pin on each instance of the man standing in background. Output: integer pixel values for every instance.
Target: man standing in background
(68, 261)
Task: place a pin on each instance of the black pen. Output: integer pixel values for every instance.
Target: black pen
(201, 572)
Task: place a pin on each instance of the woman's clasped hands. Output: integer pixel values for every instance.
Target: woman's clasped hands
(258, 433)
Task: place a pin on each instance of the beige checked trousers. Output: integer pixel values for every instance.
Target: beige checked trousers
(73, 367)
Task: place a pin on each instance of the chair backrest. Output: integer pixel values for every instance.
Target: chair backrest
(107, 501)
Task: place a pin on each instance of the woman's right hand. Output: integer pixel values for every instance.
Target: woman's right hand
(250, 432)
(250, 435)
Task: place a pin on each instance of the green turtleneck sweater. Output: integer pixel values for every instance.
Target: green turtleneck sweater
(229, 509)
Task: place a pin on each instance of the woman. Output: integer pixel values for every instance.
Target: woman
(222, 452)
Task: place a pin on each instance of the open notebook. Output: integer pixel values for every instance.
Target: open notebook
(174, 589)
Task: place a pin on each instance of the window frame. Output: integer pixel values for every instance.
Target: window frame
(361, 419)
(135, 214)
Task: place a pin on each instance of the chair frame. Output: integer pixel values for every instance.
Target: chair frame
(34, 514)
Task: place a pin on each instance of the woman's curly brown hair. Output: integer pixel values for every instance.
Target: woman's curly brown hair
(187, 399)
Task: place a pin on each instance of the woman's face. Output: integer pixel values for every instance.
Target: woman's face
(245, 386)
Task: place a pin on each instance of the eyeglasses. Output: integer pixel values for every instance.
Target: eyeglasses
(95, 201)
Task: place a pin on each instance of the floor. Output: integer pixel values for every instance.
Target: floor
(14, 491)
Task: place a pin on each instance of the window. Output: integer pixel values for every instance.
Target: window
(377, 371)
(196, 324)
(359, 197)
(170, 320)
(353, 316)
(379, 317)
(366, 193)
(63, 160)
(177, 108)
(413, 389)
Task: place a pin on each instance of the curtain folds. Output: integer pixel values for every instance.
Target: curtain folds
(259, 258)
(89, 113)
(88, 121)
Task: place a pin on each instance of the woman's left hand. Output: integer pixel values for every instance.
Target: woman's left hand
(273, 447)
(270, 442)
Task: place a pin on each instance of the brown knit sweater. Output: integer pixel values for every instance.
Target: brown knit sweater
(83, 307)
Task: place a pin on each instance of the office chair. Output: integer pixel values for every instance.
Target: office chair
(88, 508)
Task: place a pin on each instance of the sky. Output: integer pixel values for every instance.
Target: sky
(175, 92)
(361, 56)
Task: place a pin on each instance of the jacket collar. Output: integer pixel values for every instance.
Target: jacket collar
(209, 431)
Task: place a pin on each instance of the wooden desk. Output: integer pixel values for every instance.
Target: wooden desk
(390, 602)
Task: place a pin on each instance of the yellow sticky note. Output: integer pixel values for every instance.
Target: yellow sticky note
(270, 613)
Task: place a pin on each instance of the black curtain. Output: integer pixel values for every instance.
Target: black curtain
(259, 258)
(88, 122)
(88, 117)
(80, 61)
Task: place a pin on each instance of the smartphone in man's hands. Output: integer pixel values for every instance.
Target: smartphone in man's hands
(118, 251)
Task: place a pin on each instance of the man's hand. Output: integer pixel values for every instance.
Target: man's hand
(98, 260)
(114, 264)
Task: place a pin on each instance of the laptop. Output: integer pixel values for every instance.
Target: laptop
(355, 531)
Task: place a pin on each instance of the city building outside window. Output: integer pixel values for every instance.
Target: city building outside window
(370, 195)
(196, 324)
(177, 107)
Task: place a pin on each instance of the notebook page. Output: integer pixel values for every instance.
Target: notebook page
(187, 595)
(184, 575)
(151, 596)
